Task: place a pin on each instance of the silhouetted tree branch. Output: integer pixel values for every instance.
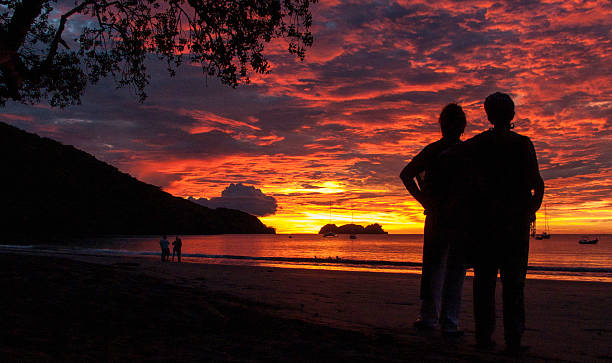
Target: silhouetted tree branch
(226, 37)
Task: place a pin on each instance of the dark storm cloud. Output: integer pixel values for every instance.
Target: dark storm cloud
(365, 101)
(242, 197)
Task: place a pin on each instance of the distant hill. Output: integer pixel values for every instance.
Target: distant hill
(352, 229)
(54, 190)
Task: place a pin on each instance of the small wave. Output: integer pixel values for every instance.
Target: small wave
(569, 269)
(329, 260)
(383, 262)
(310, 260)
(119, 252)
(17, 247)
(345, 261)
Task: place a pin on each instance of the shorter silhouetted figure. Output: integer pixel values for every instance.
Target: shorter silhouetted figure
(165, 249)
(443, 268)
(506, 193)
(176, 248)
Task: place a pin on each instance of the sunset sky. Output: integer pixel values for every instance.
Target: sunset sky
(339, 127)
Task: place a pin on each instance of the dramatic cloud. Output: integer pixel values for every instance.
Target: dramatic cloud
(242, 197)
(338, 127)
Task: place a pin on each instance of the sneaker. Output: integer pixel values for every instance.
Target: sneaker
(516, 349)
(452, 333)
(485, 344)
(450, 330)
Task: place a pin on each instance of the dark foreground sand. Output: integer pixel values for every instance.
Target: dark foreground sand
(77, 308)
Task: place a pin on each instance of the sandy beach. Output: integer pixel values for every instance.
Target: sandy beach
(75, 307)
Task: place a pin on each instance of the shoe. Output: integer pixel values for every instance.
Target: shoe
(423, 325)
(514, 349)
(452, 333)
(450, 329)
(485, 344)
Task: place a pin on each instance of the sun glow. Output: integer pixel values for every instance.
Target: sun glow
(337, 128)
(328, 187)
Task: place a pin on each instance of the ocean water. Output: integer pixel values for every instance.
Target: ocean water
(559, 258)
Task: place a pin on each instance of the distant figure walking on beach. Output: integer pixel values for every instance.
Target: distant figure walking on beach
(508, 191)
(165, 249)
(443, 268)
(176, 248)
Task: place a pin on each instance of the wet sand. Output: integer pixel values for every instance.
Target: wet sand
(71, 307)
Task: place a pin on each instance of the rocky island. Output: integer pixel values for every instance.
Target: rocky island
(352, 228)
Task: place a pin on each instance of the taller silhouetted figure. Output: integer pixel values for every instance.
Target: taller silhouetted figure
(165, 248)
(443, 268)
(506, 191)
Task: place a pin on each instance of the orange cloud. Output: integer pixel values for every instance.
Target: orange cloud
(338, 127)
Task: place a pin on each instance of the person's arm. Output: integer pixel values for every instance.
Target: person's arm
(536, 182)
(410, 171)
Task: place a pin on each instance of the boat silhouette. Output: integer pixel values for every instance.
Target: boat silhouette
(546, 234)
(586, 240)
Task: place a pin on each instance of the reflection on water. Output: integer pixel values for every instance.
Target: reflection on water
(366, 247)
(561, 257)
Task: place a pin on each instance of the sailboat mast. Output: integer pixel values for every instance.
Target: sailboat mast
(545, 219)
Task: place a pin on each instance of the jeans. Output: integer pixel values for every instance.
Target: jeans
(507, 253)
(178, 253)
(442, 274)
(165, 254)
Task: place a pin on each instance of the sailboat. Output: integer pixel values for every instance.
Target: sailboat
(546, 234)
(329, 234)
(352, 236)
(586, 240)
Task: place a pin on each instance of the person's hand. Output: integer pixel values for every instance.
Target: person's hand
(532, 217)
(426, 203)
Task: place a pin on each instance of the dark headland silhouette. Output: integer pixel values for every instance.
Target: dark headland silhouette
(50, 190)
(352, 229)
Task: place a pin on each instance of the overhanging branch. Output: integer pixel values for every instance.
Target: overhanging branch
(60, 29)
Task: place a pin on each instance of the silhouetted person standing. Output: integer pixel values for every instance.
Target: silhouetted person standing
(176, 248)
(165, 249)
(443, 268)
(507, 191)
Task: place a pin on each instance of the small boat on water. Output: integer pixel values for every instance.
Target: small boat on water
(352, 236)
(546, 234)
(330, 233)
(586, 240)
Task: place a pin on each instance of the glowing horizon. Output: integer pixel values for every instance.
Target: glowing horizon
(340, 126)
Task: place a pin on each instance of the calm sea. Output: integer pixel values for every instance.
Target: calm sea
(560, 257)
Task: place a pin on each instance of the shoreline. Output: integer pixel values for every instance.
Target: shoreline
(534, 272)
(566, 320)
